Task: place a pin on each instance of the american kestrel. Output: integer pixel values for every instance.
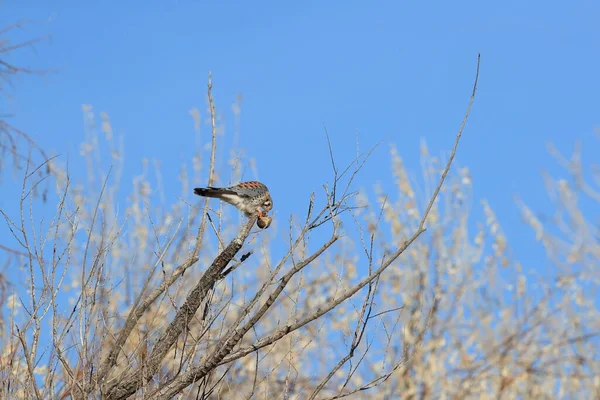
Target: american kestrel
(249, 197)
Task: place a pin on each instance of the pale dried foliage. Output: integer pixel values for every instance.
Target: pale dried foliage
(353, 298)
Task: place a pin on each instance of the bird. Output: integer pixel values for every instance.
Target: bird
(250, 197)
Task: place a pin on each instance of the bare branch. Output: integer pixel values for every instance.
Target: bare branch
(187, 311)
(324, 309)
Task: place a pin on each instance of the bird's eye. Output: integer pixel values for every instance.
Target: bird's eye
(267, 203)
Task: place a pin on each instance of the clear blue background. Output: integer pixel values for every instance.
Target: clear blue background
(383, 70)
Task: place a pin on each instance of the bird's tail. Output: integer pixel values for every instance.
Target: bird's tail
(211, 192)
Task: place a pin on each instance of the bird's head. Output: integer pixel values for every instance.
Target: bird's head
(267, 203)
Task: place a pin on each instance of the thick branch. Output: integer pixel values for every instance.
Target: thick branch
(185, 314)
(139, 310)
(198, 372)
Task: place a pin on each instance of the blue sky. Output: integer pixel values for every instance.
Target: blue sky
(390, 71)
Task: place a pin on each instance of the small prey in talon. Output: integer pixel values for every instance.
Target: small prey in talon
(264, 221)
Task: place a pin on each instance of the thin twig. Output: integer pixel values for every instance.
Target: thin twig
(325, 308)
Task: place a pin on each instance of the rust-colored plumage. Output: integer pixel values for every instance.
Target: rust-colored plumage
(250, 197)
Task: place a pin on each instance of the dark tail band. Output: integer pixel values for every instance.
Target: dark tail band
(212, 192)
(202, 192)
